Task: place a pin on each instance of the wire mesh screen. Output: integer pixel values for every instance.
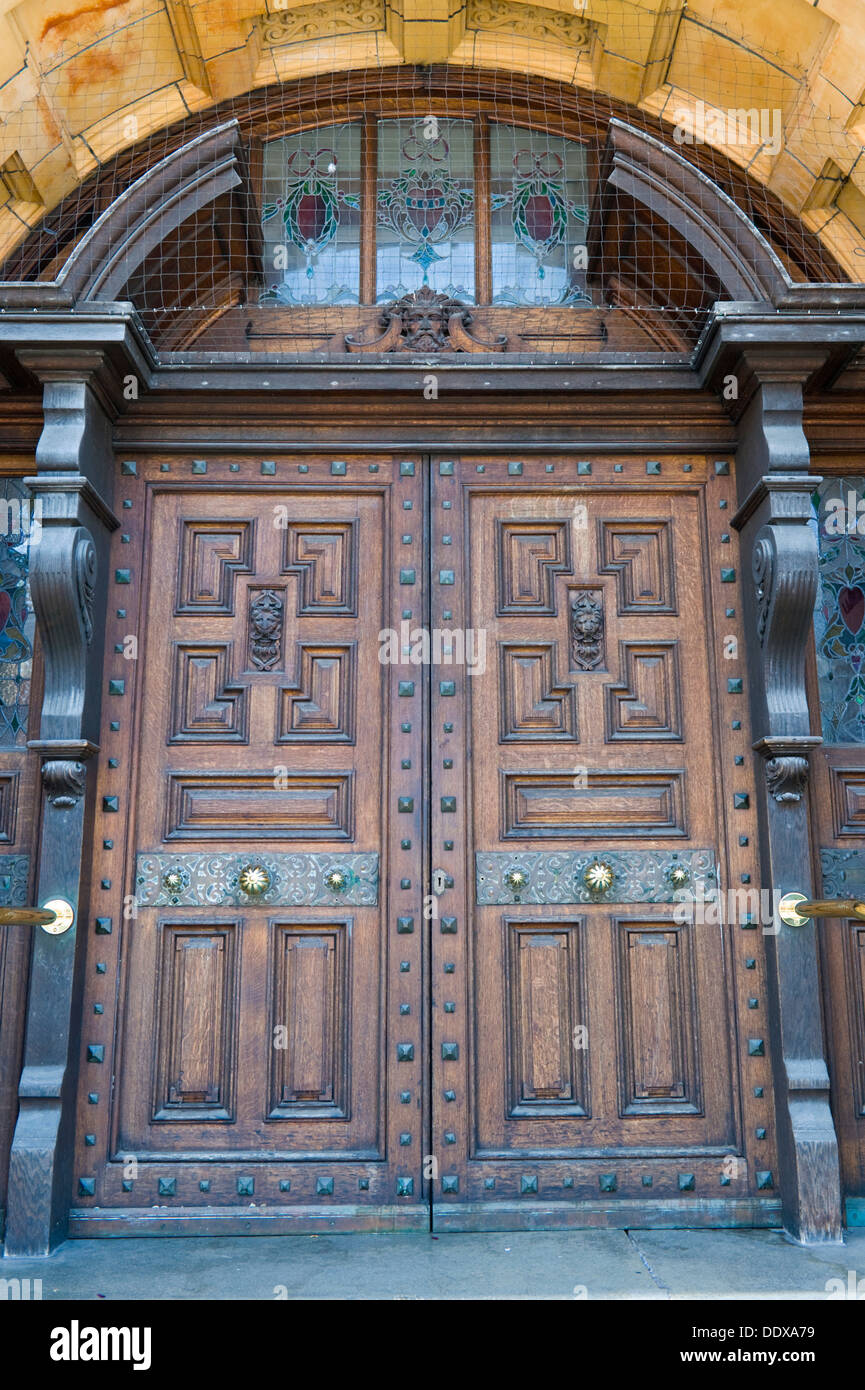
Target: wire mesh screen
(378, 202)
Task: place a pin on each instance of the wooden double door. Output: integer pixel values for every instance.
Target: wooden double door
(404, 763)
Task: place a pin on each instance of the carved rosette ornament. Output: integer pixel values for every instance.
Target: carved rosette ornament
(587, 630)
(424, 321)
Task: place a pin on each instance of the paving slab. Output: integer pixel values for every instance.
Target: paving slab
(664, 1265)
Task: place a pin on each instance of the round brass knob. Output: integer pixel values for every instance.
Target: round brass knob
(516, 879)
(336, 880)
(254, 879)
(678, 876)
(598, 877)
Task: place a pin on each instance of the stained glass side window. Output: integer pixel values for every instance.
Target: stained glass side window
(17, 620)
(839, 615)
(311, 217)
(425, 208)
(539, 213)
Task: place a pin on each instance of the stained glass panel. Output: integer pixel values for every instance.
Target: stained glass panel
(17, 620)
(425, 208)
(839, 617)
(539, 212)
(311, 217)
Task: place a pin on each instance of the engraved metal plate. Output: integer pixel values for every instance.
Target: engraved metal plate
(843, 873)
(292, 880)
(14, 878)
(639, 876)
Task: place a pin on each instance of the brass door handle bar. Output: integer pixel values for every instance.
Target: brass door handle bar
(26, 917)
(795, 909)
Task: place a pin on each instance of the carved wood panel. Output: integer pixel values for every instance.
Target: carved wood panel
(585, 1054)
(265, 792)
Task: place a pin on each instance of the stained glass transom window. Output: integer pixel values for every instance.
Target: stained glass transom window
(425, 208)
(17, 620)
(539, 204)
(479, 211)
(839, 618)
(311, 217)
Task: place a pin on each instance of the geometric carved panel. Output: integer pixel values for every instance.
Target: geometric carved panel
(534, 707)
(323, 555)
(8, 806)
(658, 1049)
(646, 704)
(848, 800)
(610, 803)
(206, 707)
(640, 555)
(530, 555)
(320, 703)
(211, 554)
(197, 985)
(310, 1061)
(545, 1004)
(259, 805)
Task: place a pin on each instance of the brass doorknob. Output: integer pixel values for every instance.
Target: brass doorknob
(795, 909)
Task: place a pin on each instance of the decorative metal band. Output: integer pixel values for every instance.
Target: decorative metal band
(241, 880)
(843, 872)
(14, 879)
(632, 876)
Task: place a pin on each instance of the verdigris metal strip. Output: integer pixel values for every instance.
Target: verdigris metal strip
(241, 880)
(632, 876)
(14, 879)
(843, 873)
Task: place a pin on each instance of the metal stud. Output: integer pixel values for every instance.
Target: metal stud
(450, 1052)
(405, 1052)
(324, 1187)
(404, 1187)
(686, 1182)
(103, 926)
(446, 577)
(245, 1187)
(86, 1187)
(607, 1182)
(204, 1185)
(95, 1052)
(756, 1047)
(167, 1187)
(528, 1184)
(765, 1179)
(451, 1184)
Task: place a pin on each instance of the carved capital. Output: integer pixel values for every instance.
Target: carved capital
(786, 764)
(64, 782)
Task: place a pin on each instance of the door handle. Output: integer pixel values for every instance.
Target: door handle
(54, 917)
(795, 909)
